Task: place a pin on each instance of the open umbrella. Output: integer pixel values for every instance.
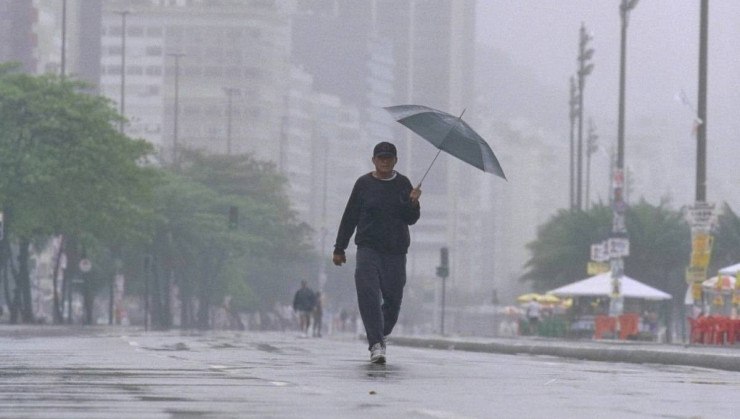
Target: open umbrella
(548, 299)
(448, 133)
(720, 283)
(525, 298)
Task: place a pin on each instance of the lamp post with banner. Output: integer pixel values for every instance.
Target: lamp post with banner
(619, 242)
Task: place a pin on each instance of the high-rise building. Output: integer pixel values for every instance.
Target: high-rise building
(427, 59)
(17, 20)
(53, 37)
(230, 60)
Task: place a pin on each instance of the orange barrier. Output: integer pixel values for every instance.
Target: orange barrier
(629, 325)
(604, 324)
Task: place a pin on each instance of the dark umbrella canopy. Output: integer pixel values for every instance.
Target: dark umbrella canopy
(450, 134)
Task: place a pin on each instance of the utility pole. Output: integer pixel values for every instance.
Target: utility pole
(443, 271)
(585, 67)
(176, 116)
(123, 66)
(619, 242)
(63, 64)
(702, 216)
(230, 91)
(591, 147)
(701, 131)
(573, 103)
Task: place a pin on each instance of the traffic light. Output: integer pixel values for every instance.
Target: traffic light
(233, 217)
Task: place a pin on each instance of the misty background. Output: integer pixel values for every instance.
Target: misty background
(301, 84)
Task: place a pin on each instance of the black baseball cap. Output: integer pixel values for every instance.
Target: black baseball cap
(384, 149)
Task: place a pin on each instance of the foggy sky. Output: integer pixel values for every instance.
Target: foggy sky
(662, 60)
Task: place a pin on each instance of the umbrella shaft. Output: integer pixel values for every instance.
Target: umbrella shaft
(459, 118)
(428, 168)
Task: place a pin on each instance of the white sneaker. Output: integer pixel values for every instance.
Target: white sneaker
(377, 353)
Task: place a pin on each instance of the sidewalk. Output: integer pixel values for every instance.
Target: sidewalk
(705, 356)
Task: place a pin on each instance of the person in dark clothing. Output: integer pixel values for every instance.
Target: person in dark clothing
(303, 303)
(318, 313)
(381, 207)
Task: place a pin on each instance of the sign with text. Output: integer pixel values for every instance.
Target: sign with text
(702, 216)
(619, 247)
(696, 274)
(599, 252)
(595, 268)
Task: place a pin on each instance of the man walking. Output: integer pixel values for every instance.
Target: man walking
(382, 206)
(303, 303)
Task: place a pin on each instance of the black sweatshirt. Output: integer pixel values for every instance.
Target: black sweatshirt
(382, 212)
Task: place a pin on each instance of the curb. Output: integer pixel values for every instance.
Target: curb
(593, 352)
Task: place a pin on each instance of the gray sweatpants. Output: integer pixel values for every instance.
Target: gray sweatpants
(379, 279)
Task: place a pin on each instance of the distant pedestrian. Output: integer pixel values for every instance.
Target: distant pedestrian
(318, 312)
(303, 303)
(382, 206)
(533, 316)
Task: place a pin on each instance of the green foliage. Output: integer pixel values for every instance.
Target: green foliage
(726, 248)
(562, 248)
(64, 166)
(659, 246)
(65, 169)
(256, 262)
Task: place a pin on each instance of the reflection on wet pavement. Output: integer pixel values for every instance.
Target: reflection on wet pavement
(176, 374)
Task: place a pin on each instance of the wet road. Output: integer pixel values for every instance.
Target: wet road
(50, 372)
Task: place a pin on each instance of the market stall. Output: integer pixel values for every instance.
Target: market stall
(717, 323)
(590, 317)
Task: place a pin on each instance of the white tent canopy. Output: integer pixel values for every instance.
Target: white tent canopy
(601, 286)
(730, 270)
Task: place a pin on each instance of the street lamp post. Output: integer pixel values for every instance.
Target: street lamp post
(585, 67)
(573, 102)
(230, 92)
(701, 225)
(63, 63)
(591, 148)
(701, 130)
(123, 14)
(176, 116)
(619, 227)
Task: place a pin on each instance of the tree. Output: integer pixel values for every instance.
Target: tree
(659, 247)
(562, 248)
(726, 248)
(64, 168)
(208, 258)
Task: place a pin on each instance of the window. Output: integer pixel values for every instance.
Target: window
(154, 51)
(154, 70)
(135, 70)
(135, 31)
(154, 32)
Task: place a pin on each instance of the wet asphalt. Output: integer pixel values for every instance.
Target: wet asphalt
(75, 372)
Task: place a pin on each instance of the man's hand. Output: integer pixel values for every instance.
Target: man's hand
(338, 259)
(414, 196)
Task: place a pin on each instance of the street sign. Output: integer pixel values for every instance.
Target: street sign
(595, 268)
(618, 247)
(599, 252)
(696, 274)
(702, 216)
(700, 259)
(85, 265)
